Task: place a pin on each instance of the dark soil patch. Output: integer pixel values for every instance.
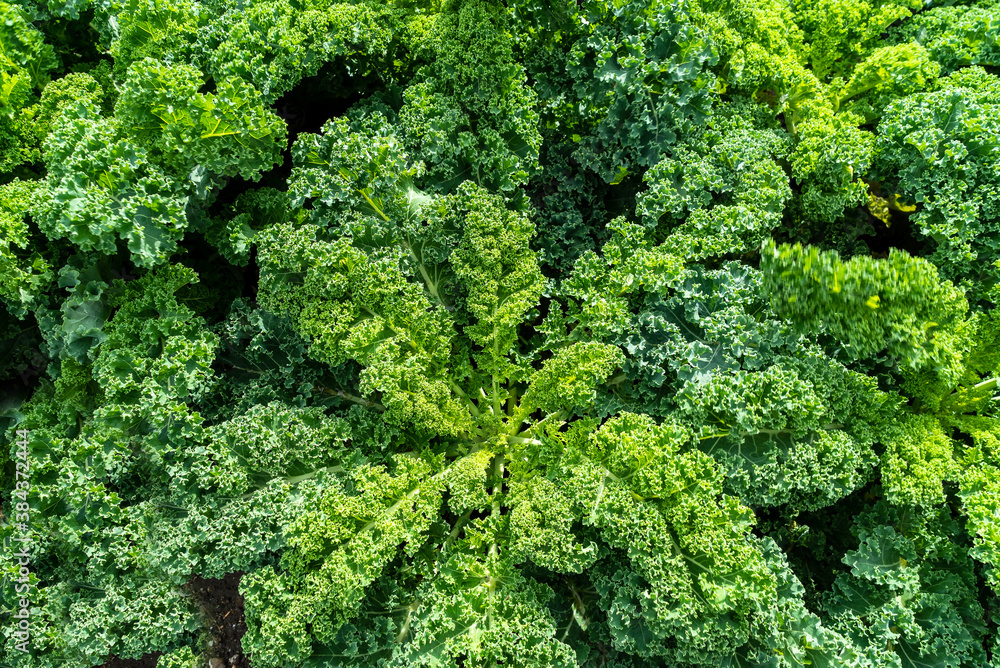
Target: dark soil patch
(222, 604)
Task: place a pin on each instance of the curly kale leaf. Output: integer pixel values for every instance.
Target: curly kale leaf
(896, 304)
(227, 132)
(956, 36)
(274, 44)
(908, 598)
(939, 151)
(718, 193)
(470, 114)
(102, 187)
(642, 78)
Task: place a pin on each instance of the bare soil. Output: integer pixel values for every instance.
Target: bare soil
(221, 603)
